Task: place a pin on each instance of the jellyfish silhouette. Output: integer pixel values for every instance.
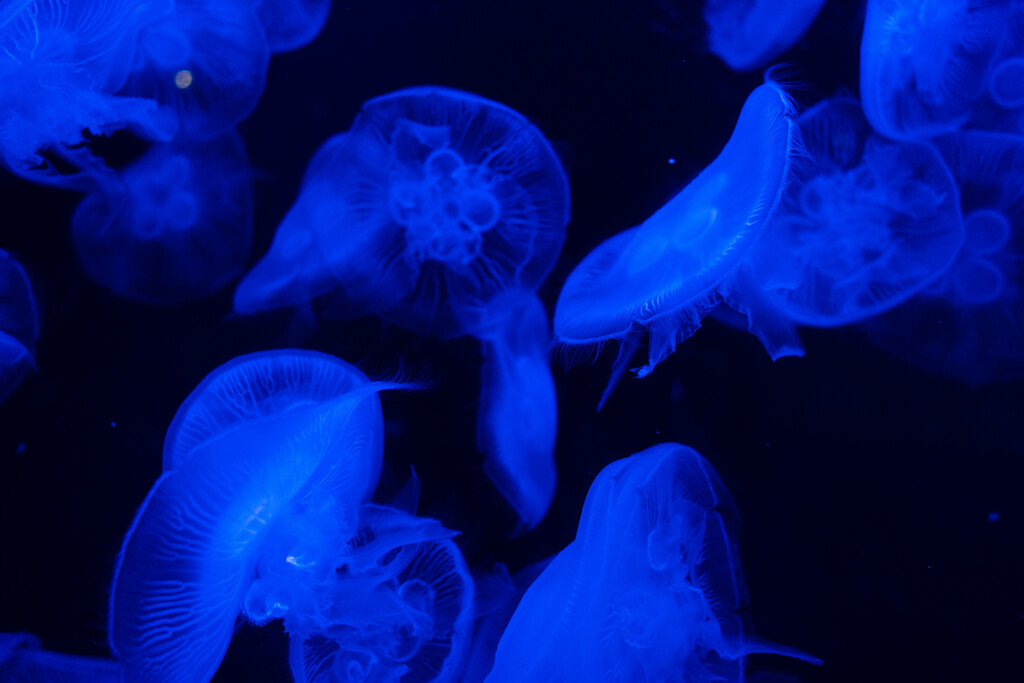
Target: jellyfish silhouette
(291, 24)
(924, 64)
(19, 325)
(866, 223)
(518, 415)
(664, 274)
(433, 202)
(968, 325)
(22, 660)
(206, 60)
(303, 441)
(651, 589)
(60, 65)
(750, 34)
(174, 226)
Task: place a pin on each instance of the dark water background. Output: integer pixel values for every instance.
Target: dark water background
(867, 488)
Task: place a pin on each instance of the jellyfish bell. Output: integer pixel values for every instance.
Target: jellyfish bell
(19, 325)
(291, 24)
(751, 34)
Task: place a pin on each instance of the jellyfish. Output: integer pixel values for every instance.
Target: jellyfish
(175, 226)
(61, 64)
(923, 63)
(751, 34)
(266, 439)
(651, 589)
(518, 415)
(968, 325)
(19, 325)
(22, 660)
(1001, 104)
(431, 204)
(207, 61)
(291, 24)
(866, 224)
(666, 273)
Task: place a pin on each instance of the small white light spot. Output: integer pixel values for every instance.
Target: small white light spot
(183, 78)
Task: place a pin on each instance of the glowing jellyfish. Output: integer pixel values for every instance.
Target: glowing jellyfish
(60, 65)
(751, 34)
(518, 415)
(923, 63)
(968, 325)
(207, 61)
(19, 325)
(1001, 105)
(650, 588)
(23, 661)
(664, 274)
(266, 439)
(432, 203)
(866, 223)
(291, 24)
(174, 226)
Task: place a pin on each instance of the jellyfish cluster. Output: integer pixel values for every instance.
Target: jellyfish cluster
(386, 450)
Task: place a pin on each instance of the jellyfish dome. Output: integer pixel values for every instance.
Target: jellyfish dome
(866, 223)
(267, 438)
(433, 202)
(924, 64)
(174, 226)
(968, 324)
(291, 24)
(19, 325)
(751, 34)
(650, 588)
(666, 273)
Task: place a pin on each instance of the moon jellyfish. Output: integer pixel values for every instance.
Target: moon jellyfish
(651, 589)
(22, 660)
(923, 62)
(60, 65)
(666, 273)
(866, 223)
(174, 226)
(291, 24)
(267, 438)
(433, 202)
(968, 325)
(751, 34)
(207, 61)
(19, 325)
(518, 416)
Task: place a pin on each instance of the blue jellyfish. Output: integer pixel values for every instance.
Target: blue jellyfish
(22, 660)
(19, 325)
(666, 273)
(866, 224)
(174, 226)
(923, 63)
(651, 589)
(518, 415)
(291, 24)
(751, 34)
(433, 202)
(206, 60)
(968, 325)
(1001, 104)
(60, 65)
(268, 438)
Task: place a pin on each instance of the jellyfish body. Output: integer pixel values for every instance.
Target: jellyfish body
(174, 226)
(1001, 105)
(968, 325)
(206, 60)
(22, 660)
(866, 223)
(664, 274)
(19, 325)
(923, 63)
(751, 34)
(291, 24)
(518, 415)
(650, 589)
(292, 450)
(434, 201)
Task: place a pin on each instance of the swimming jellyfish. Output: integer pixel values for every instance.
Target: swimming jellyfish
(19, 325)
(266, 439)
(968, 325)
(866, 223)
(666, 273)
(651, 589)
(751, 34)
(434, 201)
(923, 62)
(22, 660)
(172, 227)
(291, 24)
